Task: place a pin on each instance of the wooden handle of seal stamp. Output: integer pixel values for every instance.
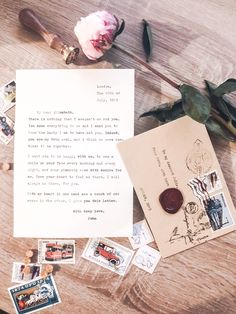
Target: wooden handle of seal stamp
(30, 20)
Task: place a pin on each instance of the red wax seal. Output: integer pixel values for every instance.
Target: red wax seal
(171, 200)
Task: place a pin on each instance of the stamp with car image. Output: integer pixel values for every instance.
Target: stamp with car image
(108, 254)
(56, 251)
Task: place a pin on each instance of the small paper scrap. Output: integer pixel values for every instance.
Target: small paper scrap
(147, 258)
(108, 254)
(141, 235)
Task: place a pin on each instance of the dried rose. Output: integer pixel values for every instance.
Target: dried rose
(96, 32)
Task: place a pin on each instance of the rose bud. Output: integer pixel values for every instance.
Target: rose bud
(96, 32)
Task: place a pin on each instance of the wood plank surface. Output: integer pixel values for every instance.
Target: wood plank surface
(193, 41)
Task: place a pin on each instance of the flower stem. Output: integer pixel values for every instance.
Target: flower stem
(146, 65)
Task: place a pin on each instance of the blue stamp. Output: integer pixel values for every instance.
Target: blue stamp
(34, 295)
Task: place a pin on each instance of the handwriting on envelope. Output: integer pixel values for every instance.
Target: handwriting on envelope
(179, 155)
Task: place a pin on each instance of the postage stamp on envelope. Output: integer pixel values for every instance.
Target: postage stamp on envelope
(34, 295)
(206, 184)
(23, 273)
(56, 251)
(218, 212)
(141, 234)
(108, 254)
(212, 181)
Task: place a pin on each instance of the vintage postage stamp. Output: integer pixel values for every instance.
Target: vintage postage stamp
(108, 254)
(34, 295)
(7, 96)
(212, 181)
(56, 251)
(218, 211)
(147, 258)
(23, 273)
(141, 234)
(207, 183)
(6, 128)
(207, 189)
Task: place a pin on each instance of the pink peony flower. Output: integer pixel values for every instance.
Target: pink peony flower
(96, 32)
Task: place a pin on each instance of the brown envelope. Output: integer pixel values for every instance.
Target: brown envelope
(179, 155)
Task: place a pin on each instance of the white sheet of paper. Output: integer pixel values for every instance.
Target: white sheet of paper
(69, 180)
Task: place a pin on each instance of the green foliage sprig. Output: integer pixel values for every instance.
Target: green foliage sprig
(214, 109)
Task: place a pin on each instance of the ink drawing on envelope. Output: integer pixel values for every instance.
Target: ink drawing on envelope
(179, 155)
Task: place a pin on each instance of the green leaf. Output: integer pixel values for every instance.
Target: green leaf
(223, 108)
(231, 108)
(161, 112)
(222, 104)
(147, 39)
(166, 112)
(210, 87)
(227, 87)
(217, 129)
(121, 28)
(217, 102)
(195, 105)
